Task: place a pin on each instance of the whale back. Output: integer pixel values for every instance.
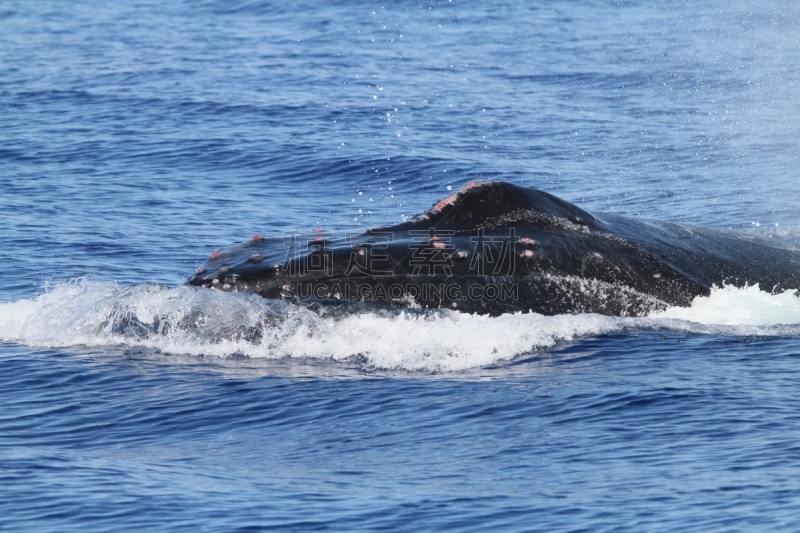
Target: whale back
(498, 203)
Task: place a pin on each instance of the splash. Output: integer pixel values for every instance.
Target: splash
(192, 321)
(732, 306)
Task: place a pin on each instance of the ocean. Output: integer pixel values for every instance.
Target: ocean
(137, 138)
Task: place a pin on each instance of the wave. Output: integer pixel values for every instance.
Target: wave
(192, 321)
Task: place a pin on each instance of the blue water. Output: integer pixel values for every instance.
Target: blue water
(137, 138)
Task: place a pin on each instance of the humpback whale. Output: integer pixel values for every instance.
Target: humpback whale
(495, 247)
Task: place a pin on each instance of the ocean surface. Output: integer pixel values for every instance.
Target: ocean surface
(138, 137)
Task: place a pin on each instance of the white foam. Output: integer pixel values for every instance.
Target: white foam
(192, 321)
(731, 306)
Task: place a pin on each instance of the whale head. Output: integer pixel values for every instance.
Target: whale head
(485, 238)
